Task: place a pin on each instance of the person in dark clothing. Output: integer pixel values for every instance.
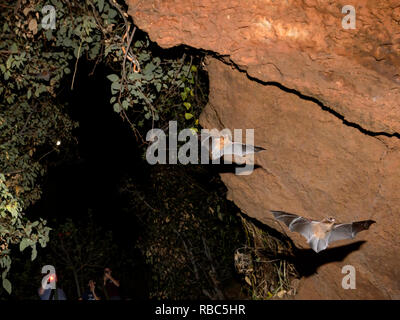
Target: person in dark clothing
(51, 294)
(90, 294)
(111, 286)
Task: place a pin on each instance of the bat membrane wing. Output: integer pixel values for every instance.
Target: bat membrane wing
(232, 148)
(348, 230)
(211, 142)
(244, 149)
(361, 226)
(302, 226)
(216, 153)
(240, 149)
(295, 223)
(341, 232)
(258, 149)
(229, 149)
(285, 217)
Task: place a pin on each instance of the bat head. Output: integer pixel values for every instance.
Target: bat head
(222, 141)
(329, 220)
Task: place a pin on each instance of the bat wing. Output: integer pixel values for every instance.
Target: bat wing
(203, 136)
(216, 151)
(240, 149)
(207, 139)
(295, 223)
(348, 230)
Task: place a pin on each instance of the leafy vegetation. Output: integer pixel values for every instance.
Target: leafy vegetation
(262, 263)
(37, 62)
(16, 229)
(190, 232)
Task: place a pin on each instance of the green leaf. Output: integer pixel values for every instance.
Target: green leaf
(183, 95)
(115, 86)
(7, 285)
(149, 68)
(101, 5)
(187, 105)
(9, 61)
(188, 116)
(112, 13)
(14, 48)
(34, 252)
(113, 77)
(49, 34)
(117, 107)
(134, 76)
(23, 244)
(68, 42)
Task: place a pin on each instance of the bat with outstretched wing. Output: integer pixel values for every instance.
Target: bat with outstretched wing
(320, 234)
(223, 145)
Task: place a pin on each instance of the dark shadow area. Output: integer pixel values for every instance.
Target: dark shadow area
(272, 232)
(86, 178)
(230, 168)
(307, 261)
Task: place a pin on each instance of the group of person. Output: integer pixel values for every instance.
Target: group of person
(110, 289)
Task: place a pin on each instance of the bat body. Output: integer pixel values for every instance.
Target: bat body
(320, 234)
(223, 145)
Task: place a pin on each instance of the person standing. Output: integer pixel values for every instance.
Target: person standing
(111, 286)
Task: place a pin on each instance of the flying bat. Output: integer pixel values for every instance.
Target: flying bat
(320, 234)
(223, 145)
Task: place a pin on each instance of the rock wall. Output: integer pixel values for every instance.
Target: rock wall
(324, 102)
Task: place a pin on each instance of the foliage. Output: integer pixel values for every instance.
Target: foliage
(164, 89)
(262, 263)
(189, 232)
(36, 61)
(15, 228)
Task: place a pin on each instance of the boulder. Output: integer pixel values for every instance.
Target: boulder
(324, 102)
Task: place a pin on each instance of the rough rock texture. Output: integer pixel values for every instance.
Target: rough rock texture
(323, 100)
